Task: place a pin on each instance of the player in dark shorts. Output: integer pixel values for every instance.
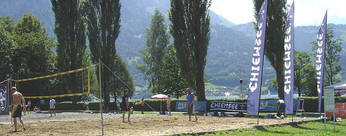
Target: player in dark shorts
(17, 107)
(125, 105)
(17, 111)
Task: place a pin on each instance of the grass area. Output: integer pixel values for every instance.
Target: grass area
(315, 128)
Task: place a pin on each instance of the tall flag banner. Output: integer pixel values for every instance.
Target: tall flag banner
(321, 45)
(4, 101)
(289, 61)
(254, 92)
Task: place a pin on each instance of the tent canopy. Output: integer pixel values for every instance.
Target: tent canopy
(337, 86)
(159, 96)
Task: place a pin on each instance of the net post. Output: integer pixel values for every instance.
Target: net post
(10, 99)
(101, 106)
(89, 80)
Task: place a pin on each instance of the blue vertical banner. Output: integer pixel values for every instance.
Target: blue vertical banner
(255, 83)
(289, 61)
(4, 101)
(321, 45)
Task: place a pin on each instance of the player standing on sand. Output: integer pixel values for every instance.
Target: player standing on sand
(52, 107)
(125, 105)
(190, 99)
(17, 107)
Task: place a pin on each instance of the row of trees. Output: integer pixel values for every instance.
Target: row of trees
(169, 68)
(190, 30)
(305, 73)
(99, 20)
(27, 51)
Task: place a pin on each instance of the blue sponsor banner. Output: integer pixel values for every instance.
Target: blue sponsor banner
(321, 44)
(197, 106)
(227, 106)
(289, 61)
(255, 82)
(4, 93)
(271, 105)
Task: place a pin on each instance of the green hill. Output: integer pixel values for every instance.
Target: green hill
(230, 46)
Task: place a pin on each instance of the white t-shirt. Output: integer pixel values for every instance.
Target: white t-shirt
(52, 104)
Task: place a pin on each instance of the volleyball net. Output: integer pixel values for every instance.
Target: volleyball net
(65, 84)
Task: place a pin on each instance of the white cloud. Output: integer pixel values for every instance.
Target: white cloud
(237, 11)
(307, 12)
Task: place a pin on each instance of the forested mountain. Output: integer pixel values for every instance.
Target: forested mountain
(230, 46)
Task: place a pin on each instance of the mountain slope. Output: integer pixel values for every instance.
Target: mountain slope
(230, 48)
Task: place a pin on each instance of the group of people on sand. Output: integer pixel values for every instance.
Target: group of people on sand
(18, 106)
(126, 108)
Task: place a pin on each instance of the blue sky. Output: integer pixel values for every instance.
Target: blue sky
(307, 12)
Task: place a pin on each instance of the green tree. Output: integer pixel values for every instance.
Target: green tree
(121, 79)
(32, 55)
(190, 30)
(172, 79)
(274, 49)
(6, 53)
(103, 20)
(304, 74)
(332, 65)
(70, 33)
(156, 47)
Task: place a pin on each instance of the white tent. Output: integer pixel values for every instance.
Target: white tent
(339, 88)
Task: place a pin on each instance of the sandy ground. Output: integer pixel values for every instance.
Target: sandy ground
(83, 124)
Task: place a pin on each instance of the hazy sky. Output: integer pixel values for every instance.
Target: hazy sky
(307, 12)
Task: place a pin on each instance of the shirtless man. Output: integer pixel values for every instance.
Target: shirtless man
(18, 106)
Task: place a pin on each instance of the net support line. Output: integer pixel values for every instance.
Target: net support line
(115, 75)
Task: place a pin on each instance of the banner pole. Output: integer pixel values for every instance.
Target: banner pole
(9, 84)
(101, 105)
(259, 104)
(262, 59)
(292, 114)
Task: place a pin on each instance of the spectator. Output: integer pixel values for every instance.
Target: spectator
(281, 108)
(169, 105)
(37, 109)
(86, 105)
(28, 106)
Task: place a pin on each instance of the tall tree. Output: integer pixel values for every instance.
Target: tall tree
(332, 58)
(32, 55)
(172, 79)
(190, 30)
(6, 53)
(274, 49)
(70, 33)
(121, 79)
(304, 74)
(103, 19)
(156, 47)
